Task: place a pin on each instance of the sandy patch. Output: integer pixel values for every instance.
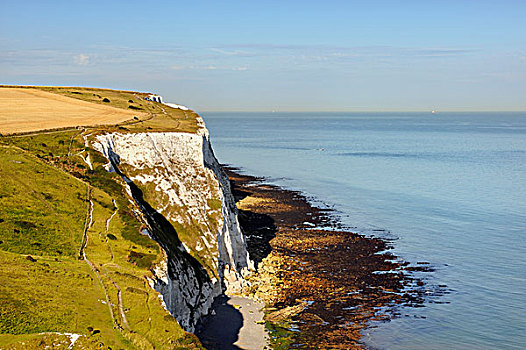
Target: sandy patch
(23, 110)
(253, 334)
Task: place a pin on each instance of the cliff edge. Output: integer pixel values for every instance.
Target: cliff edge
(110, 233)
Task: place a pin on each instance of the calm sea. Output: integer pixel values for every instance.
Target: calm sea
(449, 188)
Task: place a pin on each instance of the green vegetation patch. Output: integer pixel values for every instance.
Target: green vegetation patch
(214, 203)
(132, 231)
(47, 295)
(190, 234)
(38, 216)
(142, 260)
(53, 144)
(280, 335)
(51, 340)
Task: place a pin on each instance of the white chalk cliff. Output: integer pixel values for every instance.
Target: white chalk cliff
(185, 196)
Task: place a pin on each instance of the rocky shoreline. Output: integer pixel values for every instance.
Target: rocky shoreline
(323, 285)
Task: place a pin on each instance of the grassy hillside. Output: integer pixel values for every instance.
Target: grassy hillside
(73, 259)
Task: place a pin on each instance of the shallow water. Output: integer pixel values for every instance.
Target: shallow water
(449, 188)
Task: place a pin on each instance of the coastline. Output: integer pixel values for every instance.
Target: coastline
(322, 285)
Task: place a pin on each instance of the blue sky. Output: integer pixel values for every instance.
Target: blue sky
(276, 55)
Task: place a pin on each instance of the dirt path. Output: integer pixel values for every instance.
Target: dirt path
(87, 225)
(82, 255)
(108, 228)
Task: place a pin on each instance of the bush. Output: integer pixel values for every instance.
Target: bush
(106, 100)
(141, 260)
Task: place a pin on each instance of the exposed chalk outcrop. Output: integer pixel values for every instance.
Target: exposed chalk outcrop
(181, 189)
(175, 105)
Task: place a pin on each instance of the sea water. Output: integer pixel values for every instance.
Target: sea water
(448, 188)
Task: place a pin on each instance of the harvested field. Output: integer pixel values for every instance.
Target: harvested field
(25, 110)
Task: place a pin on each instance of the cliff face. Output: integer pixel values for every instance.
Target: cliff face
(185, 197)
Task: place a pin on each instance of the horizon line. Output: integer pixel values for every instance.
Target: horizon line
(383, 110)
(361, 111)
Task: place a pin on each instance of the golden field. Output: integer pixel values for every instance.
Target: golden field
(25, 110)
